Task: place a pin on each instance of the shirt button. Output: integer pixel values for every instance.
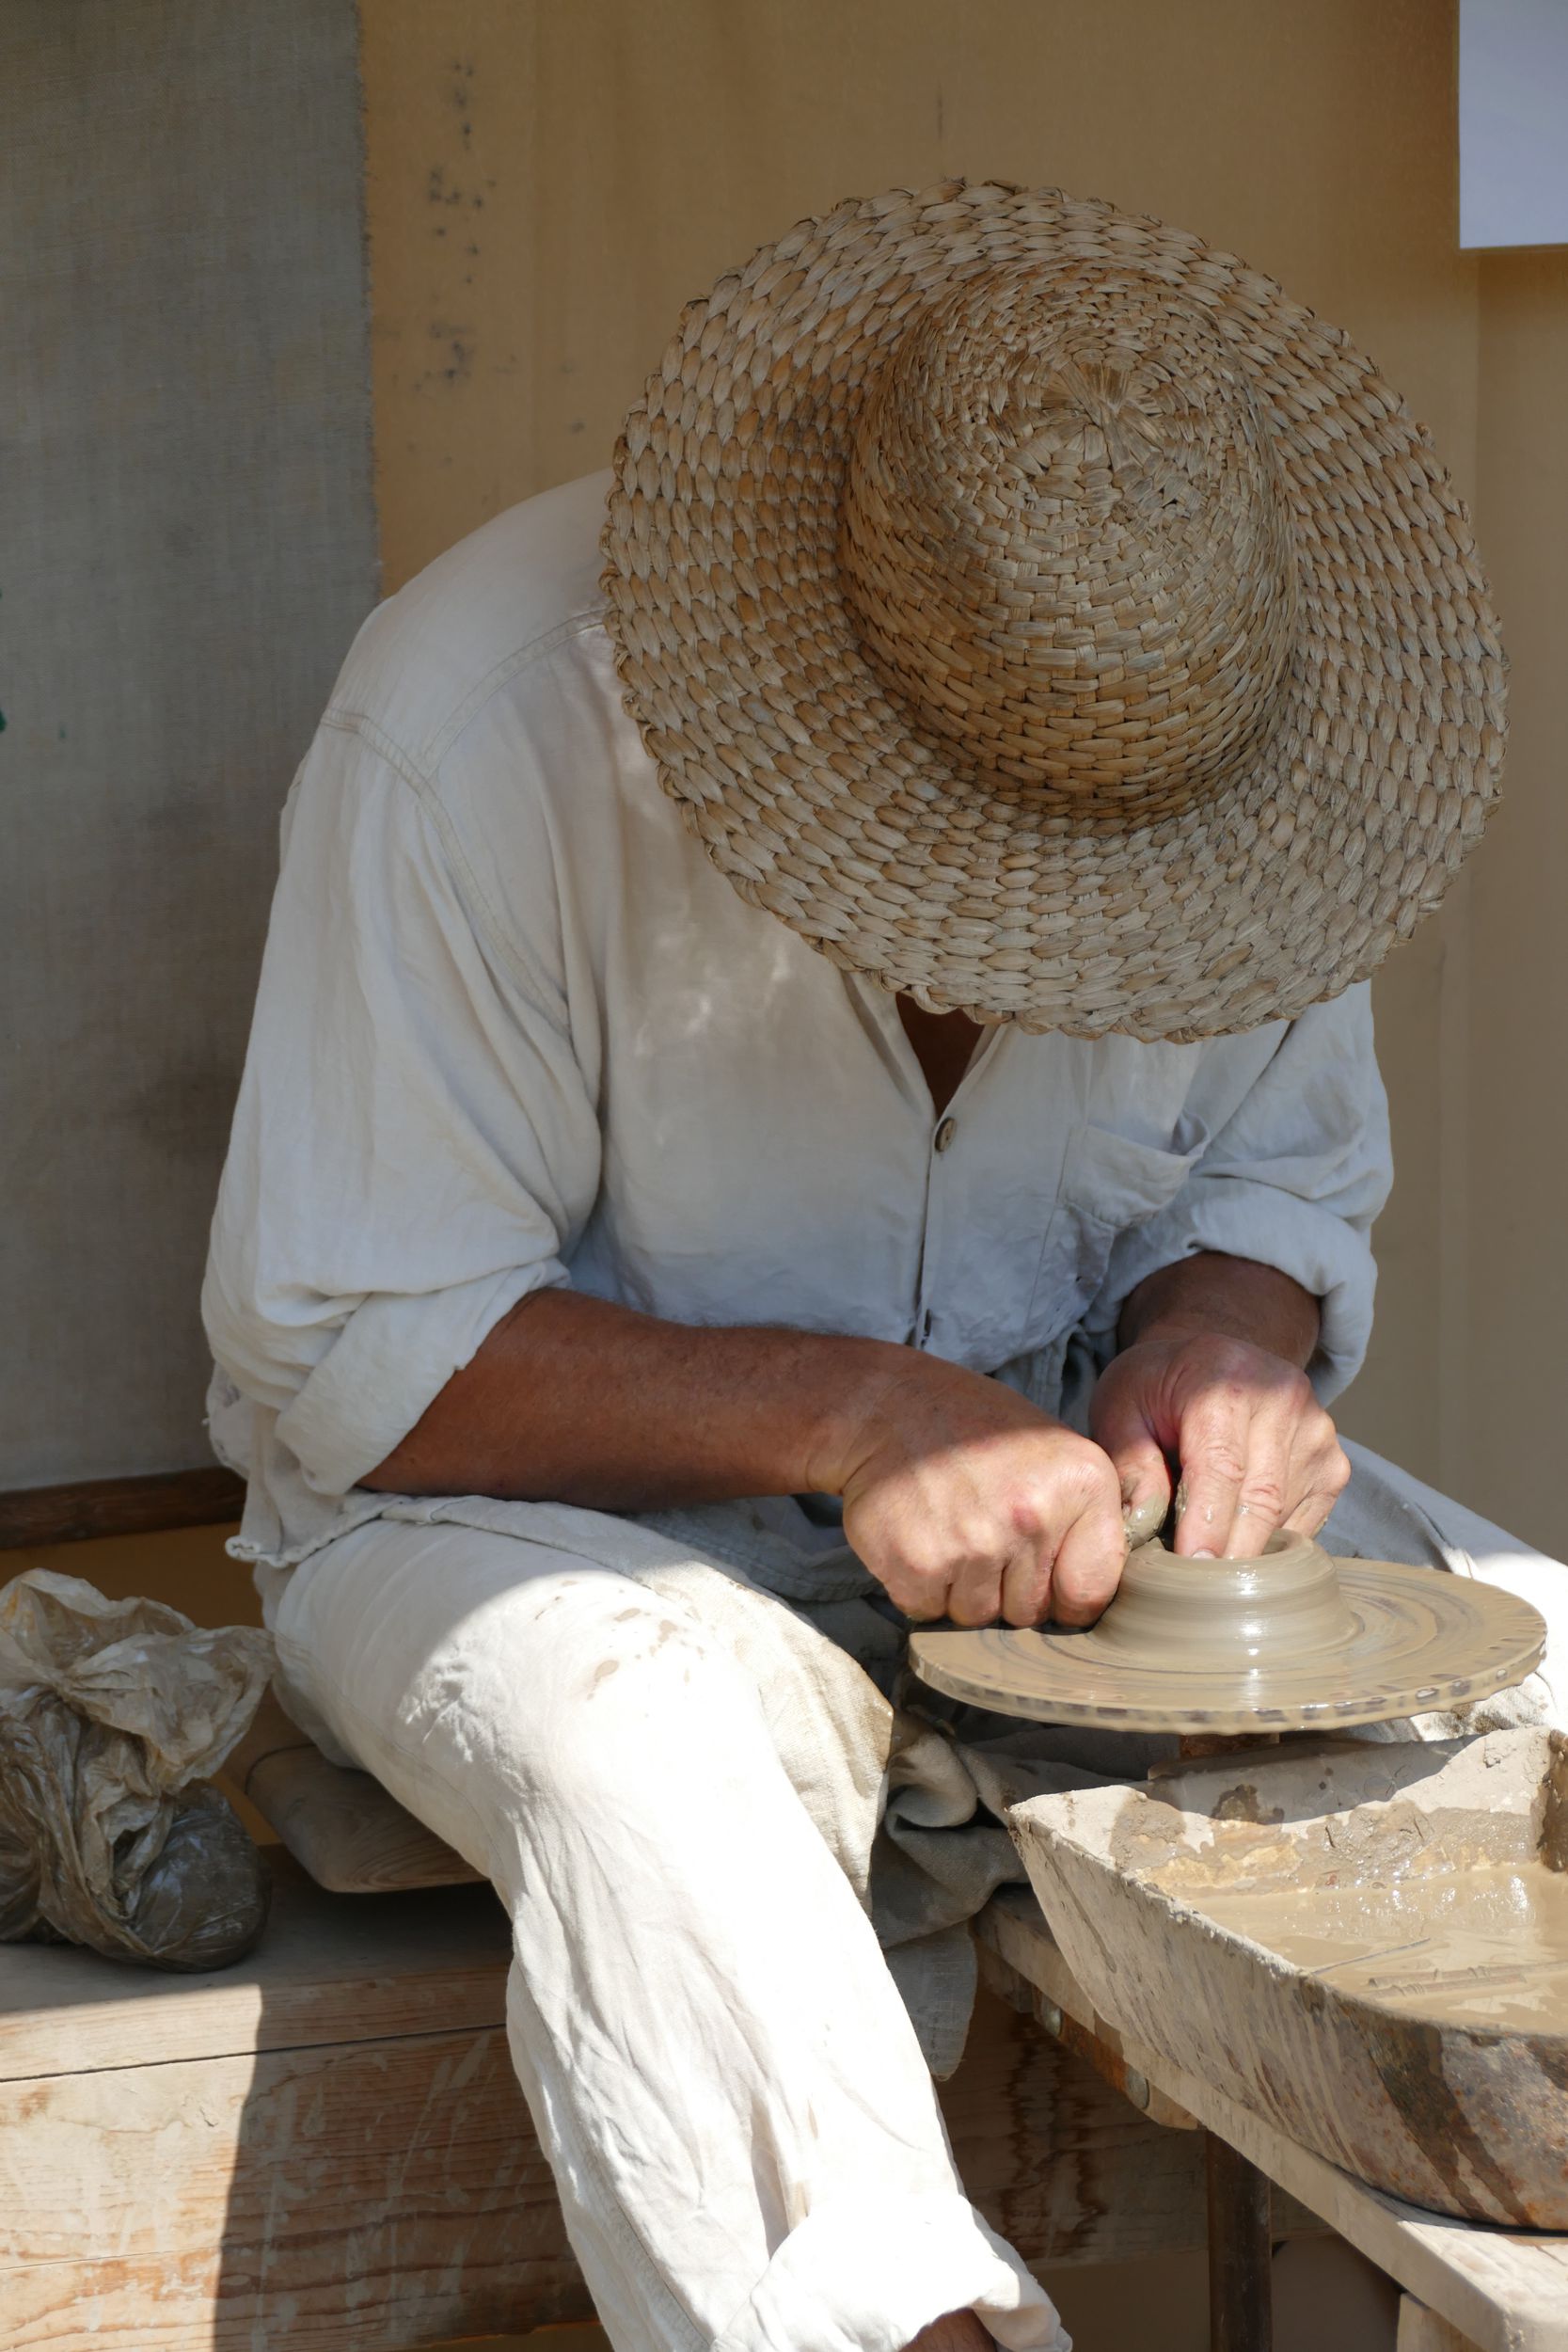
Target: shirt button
(945, 1134)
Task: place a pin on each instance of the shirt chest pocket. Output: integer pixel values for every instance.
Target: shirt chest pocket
(1110, 1183)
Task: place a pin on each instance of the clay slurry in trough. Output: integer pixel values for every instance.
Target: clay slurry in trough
(1289, 1641)
(1484, 1945)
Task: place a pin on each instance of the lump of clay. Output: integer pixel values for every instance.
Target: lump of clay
(113, 1714)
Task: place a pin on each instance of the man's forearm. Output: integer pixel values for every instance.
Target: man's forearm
(576, 1400)
(961, 1495)
(1233, 1298)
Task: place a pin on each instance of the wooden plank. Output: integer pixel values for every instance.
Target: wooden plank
(1096, 2181)
(349, 1834)
(1421, 2331)
(396, 2188)
(386, 2191)
(325, 1970)
(378, 2194)
(118, 1507)
(1503, 2290)
(177, 2306)
(1012, 1932)
(1030, 1974)
(1056, 2159)
(373, 2175)
(1089, 2037)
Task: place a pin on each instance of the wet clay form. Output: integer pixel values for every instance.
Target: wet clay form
(1366, 1944)
(1290, 1640)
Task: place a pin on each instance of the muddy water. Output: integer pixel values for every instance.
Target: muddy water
(1487, 1946)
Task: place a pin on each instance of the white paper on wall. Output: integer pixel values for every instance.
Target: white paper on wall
(1512, 122)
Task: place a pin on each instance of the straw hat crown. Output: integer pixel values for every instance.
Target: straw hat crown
(1065, 546)
(1040, 613)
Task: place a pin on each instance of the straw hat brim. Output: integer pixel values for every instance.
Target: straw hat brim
(814, 796)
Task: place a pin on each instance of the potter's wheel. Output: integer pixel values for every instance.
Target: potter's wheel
(1291, 1641)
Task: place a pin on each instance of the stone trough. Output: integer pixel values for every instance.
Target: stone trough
(1366, 1944)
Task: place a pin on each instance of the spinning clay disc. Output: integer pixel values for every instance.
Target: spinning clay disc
(1290, 1640)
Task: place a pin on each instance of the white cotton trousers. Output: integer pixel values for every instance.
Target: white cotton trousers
(675, 1783)
(745, 2136)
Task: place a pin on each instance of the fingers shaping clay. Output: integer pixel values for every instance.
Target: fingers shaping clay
(1289, 1641)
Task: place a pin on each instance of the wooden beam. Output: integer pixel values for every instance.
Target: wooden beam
(1421, 2331)
(118, 1507)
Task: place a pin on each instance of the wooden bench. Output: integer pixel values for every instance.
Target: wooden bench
(1466, 2285)
(324, 2149)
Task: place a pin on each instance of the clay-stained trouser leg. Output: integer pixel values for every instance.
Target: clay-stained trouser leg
(747, 2142)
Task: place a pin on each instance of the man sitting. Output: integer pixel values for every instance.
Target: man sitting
(673, 1238)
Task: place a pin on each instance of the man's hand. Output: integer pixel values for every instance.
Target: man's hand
(966, 1501)
(1256, 1450)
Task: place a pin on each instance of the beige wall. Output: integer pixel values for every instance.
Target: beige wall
(1510, 1387)
(548, 181)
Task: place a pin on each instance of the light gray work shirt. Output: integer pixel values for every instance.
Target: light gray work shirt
(514, 1030)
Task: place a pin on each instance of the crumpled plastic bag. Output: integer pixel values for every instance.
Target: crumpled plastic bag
(112, 1714)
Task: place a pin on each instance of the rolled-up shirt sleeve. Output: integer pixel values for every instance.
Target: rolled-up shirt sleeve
(415, 1146)
(1294, 1178)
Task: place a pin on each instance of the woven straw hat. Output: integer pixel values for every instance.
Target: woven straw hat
(1043, 615)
